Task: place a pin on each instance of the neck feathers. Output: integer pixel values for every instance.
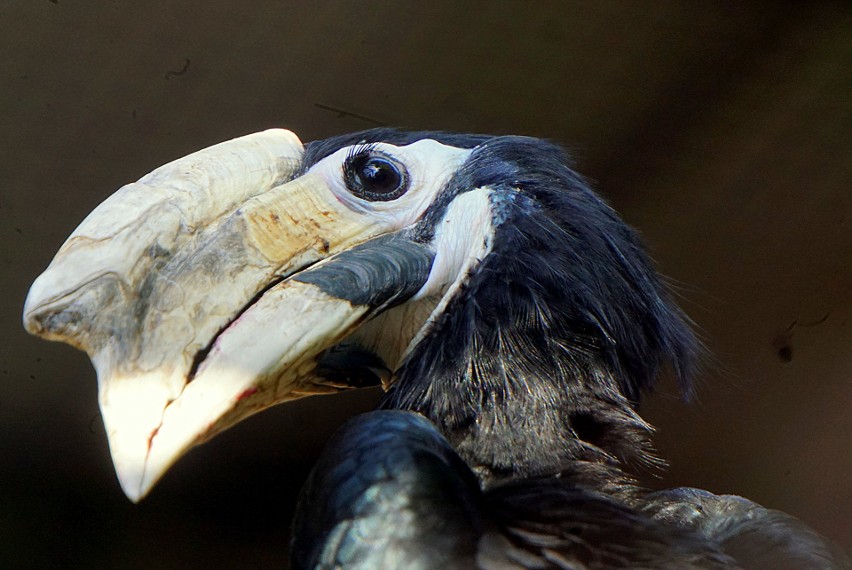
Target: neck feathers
(538, 362)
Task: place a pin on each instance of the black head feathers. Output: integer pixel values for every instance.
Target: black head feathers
(565, 317)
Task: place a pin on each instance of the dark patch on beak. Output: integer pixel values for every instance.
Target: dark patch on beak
(378, 274)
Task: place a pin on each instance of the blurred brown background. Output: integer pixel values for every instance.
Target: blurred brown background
(722, 130)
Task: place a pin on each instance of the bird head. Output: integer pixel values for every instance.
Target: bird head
(464, 273)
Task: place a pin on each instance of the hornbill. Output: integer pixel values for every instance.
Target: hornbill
(513, 319)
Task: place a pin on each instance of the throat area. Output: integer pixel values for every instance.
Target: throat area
(531, 439)
(523, 426)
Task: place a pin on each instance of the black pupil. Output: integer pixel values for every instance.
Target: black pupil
(379, 176)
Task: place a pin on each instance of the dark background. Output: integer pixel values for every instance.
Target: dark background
(722, 130)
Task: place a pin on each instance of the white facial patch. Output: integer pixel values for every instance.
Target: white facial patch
(462, 240)
(429, 163)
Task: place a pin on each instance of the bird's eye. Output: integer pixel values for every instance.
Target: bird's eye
(374, 176)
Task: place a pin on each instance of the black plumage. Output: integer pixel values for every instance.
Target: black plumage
(557, 332)
(390, 492)
(531, 379)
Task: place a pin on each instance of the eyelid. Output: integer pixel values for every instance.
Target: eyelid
(359, 150)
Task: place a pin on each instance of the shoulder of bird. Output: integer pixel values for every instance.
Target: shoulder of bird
(390, 492)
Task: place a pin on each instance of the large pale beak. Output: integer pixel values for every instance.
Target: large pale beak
(204, 293)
